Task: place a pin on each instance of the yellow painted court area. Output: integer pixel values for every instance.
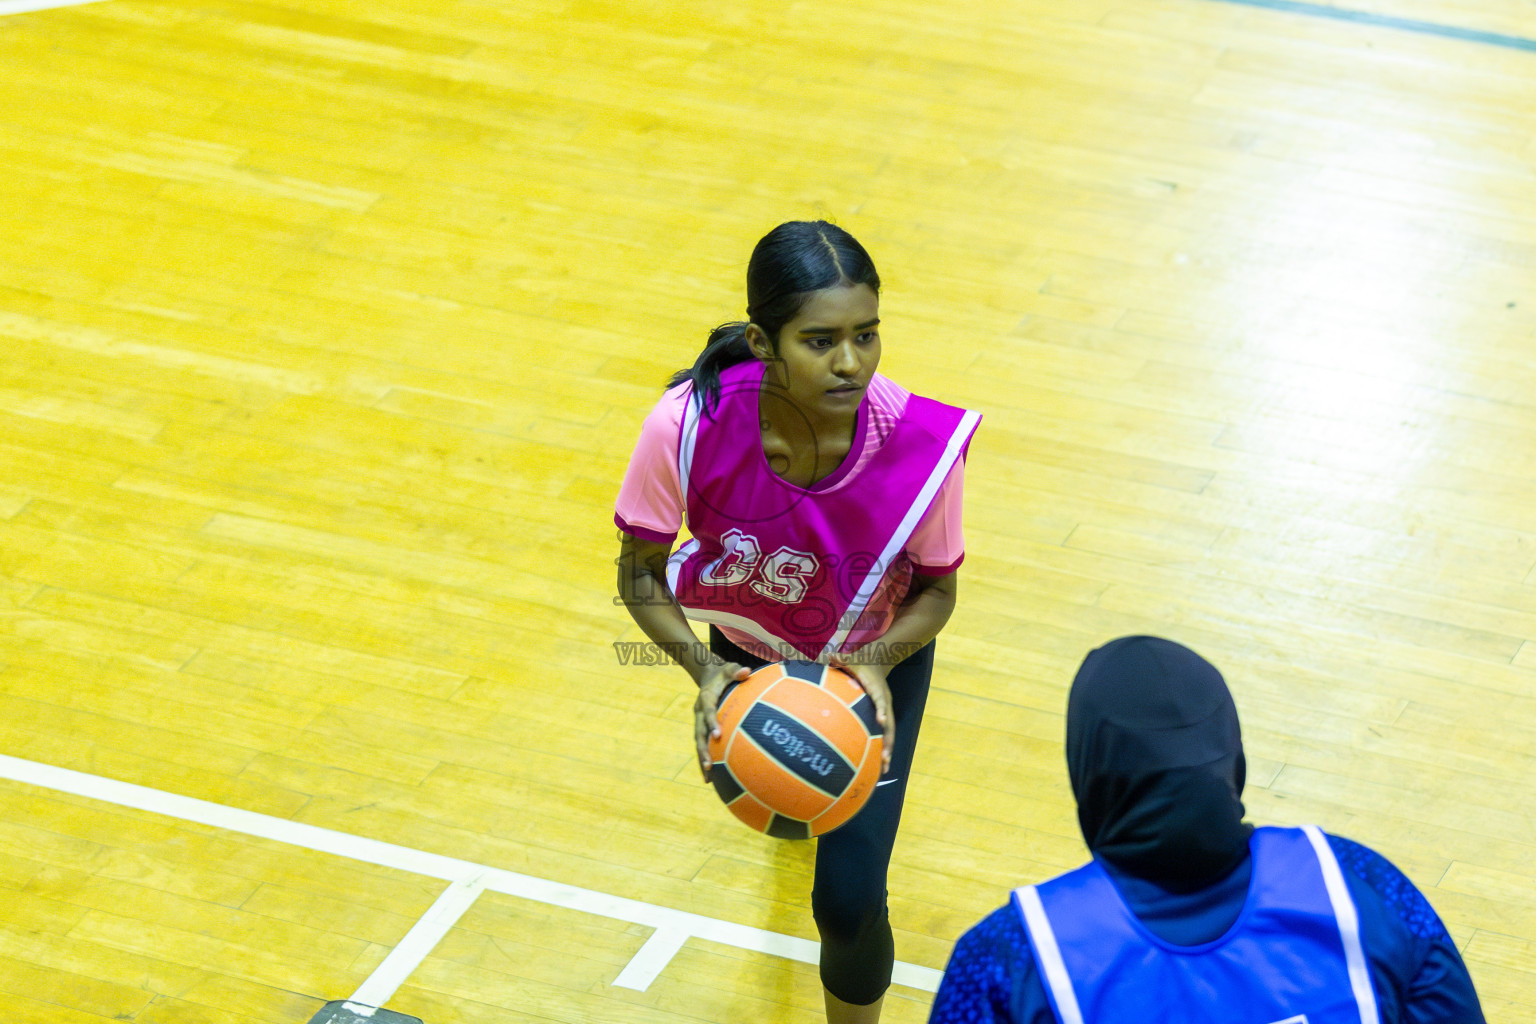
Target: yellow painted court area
(326, 329)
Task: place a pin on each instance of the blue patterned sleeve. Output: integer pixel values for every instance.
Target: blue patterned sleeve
(1418, 973)
(991, 977)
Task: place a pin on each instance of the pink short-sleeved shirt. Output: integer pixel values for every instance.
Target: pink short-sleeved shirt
(652, 506)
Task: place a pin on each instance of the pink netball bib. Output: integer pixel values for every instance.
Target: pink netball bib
(797, 568)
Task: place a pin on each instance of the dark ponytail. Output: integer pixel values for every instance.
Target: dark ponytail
(792, 261)
(727, 346)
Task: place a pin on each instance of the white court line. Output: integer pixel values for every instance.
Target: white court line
(421, 940)
(23, 6)
(450, 869)
(652, 959)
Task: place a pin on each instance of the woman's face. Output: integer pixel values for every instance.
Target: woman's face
(828, 352)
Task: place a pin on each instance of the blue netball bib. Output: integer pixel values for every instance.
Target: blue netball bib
(1292, 957)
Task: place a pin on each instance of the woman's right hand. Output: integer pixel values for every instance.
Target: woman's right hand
(711, 684)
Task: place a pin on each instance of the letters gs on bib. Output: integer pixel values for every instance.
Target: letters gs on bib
(784, 576)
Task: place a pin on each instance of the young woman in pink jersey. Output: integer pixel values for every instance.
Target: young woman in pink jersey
(823, 502)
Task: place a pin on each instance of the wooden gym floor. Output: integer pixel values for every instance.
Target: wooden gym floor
(327, 327)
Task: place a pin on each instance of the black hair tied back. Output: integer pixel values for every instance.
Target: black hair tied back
(727, 346)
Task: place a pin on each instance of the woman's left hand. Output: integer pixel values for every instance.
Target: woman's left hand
(872, 678)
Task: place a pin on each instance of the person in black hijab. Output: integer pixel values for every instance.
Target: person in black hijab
(1156, 760)
(1154, 752)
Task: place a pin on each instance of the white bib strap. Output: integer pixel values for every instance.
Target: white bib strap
(1349, 925)
(898, 539)
(1048, 955)
(688, 438)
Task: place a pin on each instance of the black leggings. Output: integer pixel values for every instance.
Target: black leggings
(848, 897)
